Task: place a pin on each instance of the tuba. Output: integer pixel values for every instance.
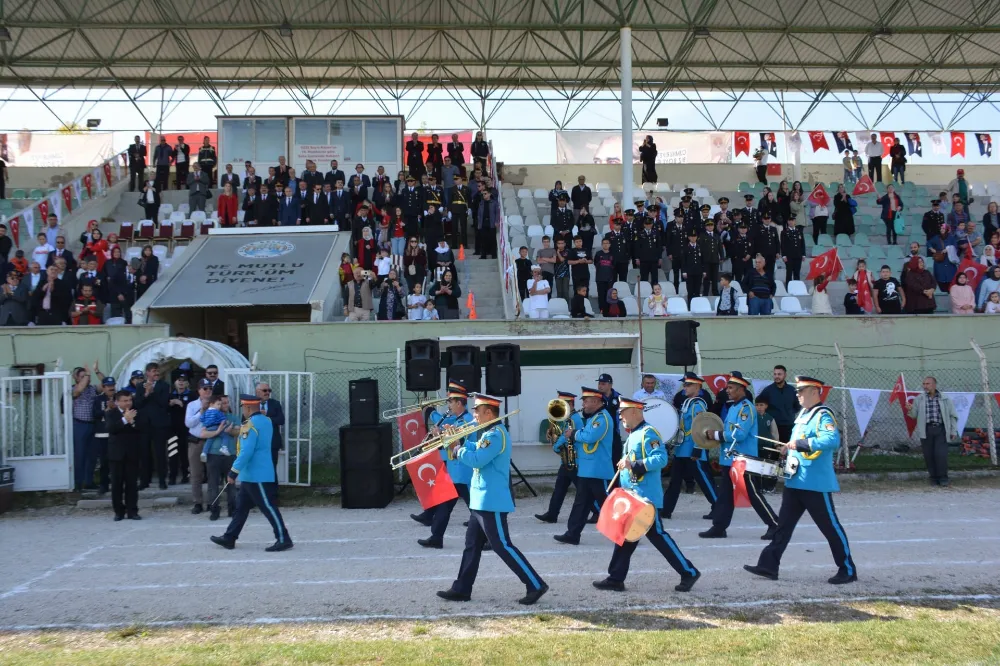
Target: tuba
(558, 413)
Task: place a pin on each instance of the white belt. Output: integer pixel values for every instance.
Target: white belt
(102, 435)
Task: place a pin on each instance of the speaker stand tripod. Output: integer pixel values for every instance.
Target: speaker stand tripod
(513, 466)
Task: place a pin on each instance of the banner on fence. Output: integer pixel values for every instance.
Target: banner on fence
(864, 401)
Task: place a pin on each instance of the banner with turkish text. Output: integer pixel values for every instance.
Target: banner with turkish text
(78, 191)
(865, 401)
(741, 499)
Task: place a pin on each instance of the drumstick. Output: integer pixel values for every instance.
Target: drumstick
(613, 479)
(773, 441)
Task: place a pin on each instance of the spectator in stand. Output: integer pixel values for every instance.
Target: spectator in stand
(793, 249)
(991, 220)
(943, 247)
(581, 195)
(415, 303)
(616, 215)
(993, 303)
(892, 206)
(97, 248)
(843, 212)
(53, 229)
(445, 293)
(820, 296)
(149, 270)
(60, 252)
(87, 309)
(989, 256)
(34, 277)
(358, 306)
(937, 424)
(656, 303)
(14, 301)
(161, 160)
(522, 270)
(555, 194)
(957, 216)
(760, 288)
(415, 155)
(578, 305)
(444, 258)
(963, 299)
(42, 250)
(392, 306)
(562, 270)
(6, 245)
(851, 298)
(783, 198)
(251, 179)
(858, 165)
(228, 207)
(974, 238)
(728, 303)
(760, 157)
(961, 188)
(604, 271)
(229, 178)
(346, 274)
(887, 293)
(149, 199)
(932, 222)
(797, 206)
(181, 153)
(897, 157)
(198, 184)
(945, 202)
(848, 167)
(251, 202)
(366, 249)
(587, 229)
(873, 150)
(919, 288)
(990, 283)
(207, 160)
(647, 156)
(136, 163)
(480, 152)
(415, 262)
(539, 289)
(67, 277)
(119, 286)
(613, 307)
(51, 301)
(486, 229)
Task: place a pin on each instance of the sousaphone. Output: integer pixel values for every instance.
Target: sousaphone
(701, 423)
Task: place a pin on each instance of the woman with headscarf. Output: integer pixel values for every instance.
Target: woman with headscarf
(613, 307)
(919, 288)
(647, 155)
(444, 258)
(149, 269)
(990, 283)
(989, 256)
(843, 212)
(367, 249)
(392, 303)
(943, 249)
(963, 301)
(445, 293)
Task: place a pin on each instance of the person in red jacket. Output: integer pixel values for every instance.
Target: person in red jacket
(86, 308)
(227, 206)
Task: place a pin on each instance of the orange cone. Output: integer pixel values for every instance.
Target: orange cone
(461, 253)
(470, 303)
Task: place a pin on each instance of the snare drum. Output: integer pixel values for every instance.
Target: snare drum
(791, 467)
(663, 417)
(766, 468)
(632, 513)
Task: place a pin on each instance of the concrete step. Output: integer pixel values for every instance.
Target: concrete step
(104, 502)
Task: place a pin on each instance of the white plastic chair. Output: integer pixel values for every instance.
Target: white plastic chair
(643, 290)
(558, 307)
(133, 252)
(160, 251)
(178, 251)
(701, 305)
(176, 216)
(742, 305)
(668, 289)
(541, 194)
(677, 306)
(524, 193)
(166, 210)
(184, 208)
(779, 289)
(623, 289)
(515, 220)
(631, 307)
(791, 305)
(796, 288)
(198, 217)
(549, 230)
(536, 231)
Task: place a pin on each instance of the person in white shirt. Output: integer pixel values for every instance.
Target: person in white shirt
(415, 303)
(538, 294)
(41, 253)
(192, 420)
(874, 153)
(383, 264)
(993, 304)
(648, 390)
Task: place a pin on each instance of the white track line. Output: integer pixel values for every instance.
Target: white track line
(24, 587)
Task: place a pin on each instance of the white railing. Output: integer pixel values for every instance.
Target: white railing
(505, 253)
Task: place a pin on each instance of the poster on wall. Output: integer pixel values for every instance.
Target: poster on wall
(55, 149)
(318, 153)
(671, 147)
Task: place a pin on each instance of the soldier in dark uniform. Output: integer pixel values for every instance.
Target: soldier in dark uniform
(691, 265)
(742, 251)
(750, 214)
(621, 249)
(724, 212)
(640, 214)
(647, 249)
(562, 221)
(673, 243)
(433, 193)
(612, 398)
(704, 217)
(793, 248)
(689, 193)
(933, 219)
(690, 213)
(458, 206)
(411, 201)
(180, 396)
(711, 254)
(767, 242)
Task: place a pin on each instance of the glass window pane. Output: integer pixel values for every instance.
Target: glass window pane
(310, 131)
(270, 141)
(382, 142)
(237, 141)
(347, 133)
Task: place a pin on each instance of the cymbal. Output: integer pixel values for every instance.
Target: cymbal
(702, 422)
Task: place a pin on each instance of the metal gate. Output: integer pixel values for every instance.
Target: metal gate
(36, 430)
(294, 390)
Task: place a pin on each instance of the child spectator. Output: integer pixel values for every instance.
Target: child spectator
(820, 297)
(415, 303)
(656, 304)
(856, 161)
(523, 266)
(383, 264)
(578, 305)
(993, 304)
(346, 274)
(430, 312)
(728, 305)
(848, 167)
(213, 422)
(851, 298)
(765, 422)
(219, 452)
(538, 294)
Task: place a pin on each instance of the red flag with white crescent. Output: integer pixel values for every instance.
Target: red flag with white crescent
(741, 499)
(865, 301)
(88, 181)
(898, 390)
(742, 142)
(864, 186)
(827, 264)
(412, 429)
(616, 514)
(715, 383)
(824, 392)
(107, 173)
(911, 423)
(43, 209)
(887, 139)
(433, 485)
(818, 140)
(958, 144)
(67, 195)
(973, 269)
(819, 195)
(15, 231)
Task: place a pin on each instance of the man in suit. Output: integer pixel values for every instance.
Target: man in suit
(288, 209)
(266, 213)
(363, 179)
(182, 161)
(380, 180)
(198, 184)
(318, 205)
(229, 177)
(152, 399)
(51, 300)
(340, 206)
(212, 375)
(250, 200)
(252, 180)
(271, 408)
(14, 301)
(162, 155)
(334, 174)
(124, 452)
(136, 163)
(411, 201)
(415, 156)
(62, 253)
(311, 176)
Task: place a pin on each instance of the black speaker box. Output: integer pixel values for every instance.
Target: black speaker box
(464, 368)
(423, 366)
(365, 474)
(363, 397)
(680, 338)
(503, 370)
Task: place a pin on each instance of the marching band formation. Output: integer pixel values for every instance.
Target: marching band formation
(623, 493)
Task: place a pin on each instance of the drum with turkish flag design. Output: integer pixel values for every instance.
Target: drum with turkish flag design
(625, 516)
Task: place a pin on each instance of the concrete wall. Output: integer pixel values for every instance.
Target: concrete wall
(44, 177)
(75, 345)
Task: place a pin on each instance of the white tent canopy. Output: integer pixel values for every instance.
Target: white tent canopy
(200, 352)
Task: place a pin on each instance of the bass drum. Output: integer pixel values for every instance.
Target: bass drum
(663, 417)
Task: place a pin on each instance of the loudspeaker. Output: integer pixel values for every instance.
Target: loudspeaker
(363, 396)
(503, 370)
(464, 368)
(680, 338)
(365, 474)
(423, 365)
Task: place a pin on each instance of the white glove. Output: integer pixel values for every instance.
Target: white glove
(203, 457)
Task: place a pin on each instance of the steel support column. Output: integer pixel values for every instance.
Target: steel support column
(626, 97)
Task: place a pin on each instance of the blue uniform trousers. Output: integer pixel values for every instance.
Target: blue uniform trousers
(618, 569)
(491, 526)
(795, 502)
(590, 495)
(681, 468)
(564, 477)
(264, 496)
(722, 512)
(442, 512)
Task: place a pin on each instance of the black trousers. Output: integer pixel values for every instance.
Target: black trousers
(263, 496)
(182, 175)
(741, 268)
(762, 174)
(179, 464)
(678, 471)
(442, 512)
(710, 283)
(491, 527)
(935, 448)
(486, 243)
(564, 478)
(125, 487)
(136, 175)
(621, 272)
(694, 281)
(722, 513)
(793, 269)
(163, 177)
(590, 495)
(154, 450)
(602, 293)
(648, 272)
(875, 168)
(622, 555)
(819, 226)
(794, 503)
(675, 268)
(769, 261)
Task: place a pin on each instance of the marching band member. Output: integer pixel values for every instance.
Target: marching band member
(594, 467)
(434, 421)
(458, 416)
(644, 455)
(565, 476)
(490, 501)
(739, 436)
(685, 457)
(814, 443)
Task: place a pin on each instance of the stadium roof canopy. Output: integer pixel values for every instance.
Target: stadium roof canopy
(814, 47)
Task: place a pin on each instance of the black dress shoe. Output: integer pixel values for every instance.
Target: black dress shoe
(163, 485)
(690, 491)
(608, 584)
(546, 518)
(567, 539)
(487, 546)
(186, 479)
(196, 509)
(758, 571)
(664, 514)
(687, 582)
(224, 542)
(430, 543)
(944, 483)
(452, 595)
(215, 513)
(465, 524)
(713, 533)
(769, 534)
(117, 518)
(426, 522)
(134, 516)
(842, 578)
(707, 516)
(592, 520)
(279, 546)
(533, 595)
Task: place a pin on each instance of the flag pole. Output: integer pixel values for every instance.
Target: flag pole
(984, 372)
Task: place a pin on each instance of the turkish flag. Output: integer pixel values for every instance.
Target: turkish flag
(87, 182)
(819, 195)
(898, 390)
(15, 230)
(67, 194)
(742, 142)
(864, 186)
(887, 139)
(958, 144)
(716, 383)
(107, 172)
(911, 423)
(824, 392)
(865, 301)
(741, 499)
(412, 429)
(973, 269)
(818, 141)
(617, 513)
(827, 264)
(43, 209)
(429, 475)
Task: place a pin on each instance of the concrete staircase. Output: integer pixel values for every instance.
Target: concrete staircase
(482, 278)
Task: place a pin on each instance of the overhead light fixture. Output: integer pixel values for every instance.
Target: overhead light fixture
(883, 32)
(662, 122)
(4, 35)
(93, 123)
(702, 32)
(285, 29)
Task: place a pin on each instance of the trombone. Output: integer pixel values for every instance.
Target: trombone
(419, 407)
(443, 440)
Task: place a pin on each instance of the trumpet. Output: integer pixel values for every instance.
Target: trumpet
(419, 407)
(558, 413)
(443, 440)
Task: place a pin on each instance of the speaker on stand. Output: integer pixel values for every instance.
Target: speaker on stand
(363, 399)
(423, 366)
(464, 368)
(365, 472)
(503, 379)
(680, 337)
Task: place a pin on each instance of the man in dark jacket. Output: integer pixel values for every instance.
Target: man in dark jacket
(266, 212)
(581, 195)
(182, 161)
(271, 408)
(136, 163)
(647, 248)
(742, 249)
(711, 254)
(621, 248)
(793, 249)
(692, 265)
(124, 453)
(153, 403)
(14, 301)
(767, 242)
(562, 221)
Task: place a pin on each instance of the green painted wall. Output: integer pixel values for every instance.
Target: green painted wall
(76, 345)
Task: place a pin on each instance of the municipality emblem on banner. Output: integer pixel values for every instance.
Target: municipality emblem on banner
(265, 249)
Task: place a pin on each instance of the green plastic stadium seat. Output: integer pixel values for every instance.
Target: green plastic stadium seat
(862, 240)
(36, 194)
(875, 253)
(18, 194)
(843, 240)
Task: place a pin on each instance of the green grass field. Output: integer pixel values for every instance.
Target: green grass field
(834, 634)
